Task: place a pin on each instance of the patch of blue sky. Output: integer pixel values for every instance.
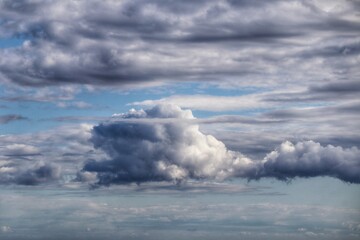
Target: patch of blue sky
(11, 42)
(34, 112)
(243, 113)
(105, 102)
(210, 89)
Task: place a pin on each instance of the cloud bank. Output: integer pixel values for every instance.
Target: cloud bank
(129, 42)
(176, 150)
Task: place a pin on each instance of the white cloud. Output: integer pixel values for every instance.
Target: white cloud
(20, 149)
(171, 151)
(210, 103)
(310, 159)
(176, 150)
(76, 104)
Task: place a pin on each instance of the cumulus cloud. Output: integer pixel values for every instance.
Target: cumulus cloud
(37, 174)
(310, 159)
(167, 151)
(176, 150)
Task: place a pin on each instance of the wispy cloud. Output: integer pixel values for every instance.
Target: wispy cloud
(10, 118)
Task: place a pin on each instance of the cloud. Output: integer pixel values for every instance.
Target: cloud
(5, 229)
(54, 156)
(37, 174)
(129, 43)
(10, 118)
(171, 151)
(76, 105)
(209, 103)
(45, 94)
(310, 159)
(20, 150)
(324, 93)
(176, 150)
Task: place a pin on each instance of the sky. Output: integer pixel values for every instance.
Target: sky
(207, 119)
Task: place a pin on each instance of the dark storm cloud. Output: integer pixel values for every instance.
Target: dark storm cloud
(174, 151)
(136, 42)
(10, 118)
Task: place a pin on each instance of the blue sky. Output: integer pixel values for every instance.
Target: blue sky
(182, 119)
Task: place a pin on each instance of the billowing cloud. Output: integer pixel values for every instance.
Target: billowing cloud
(176, 150)
(166, 151)
(310, 159)
(37, 174)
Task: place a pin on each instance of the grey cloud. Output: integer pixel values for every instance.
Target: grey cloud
(129, 43)
(297, 116)
(10, 118)
(34, 175)
(229, 119)
(337, 87)
(310, 159)
(330, 124)
(174, 151)
(320, 93)
(81, 119)
(38, 175)
(46, 94)
(53, 156)
(142, 152)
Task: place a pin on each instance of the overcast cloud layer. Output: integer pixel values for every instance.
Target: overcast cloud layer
(151, 42)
